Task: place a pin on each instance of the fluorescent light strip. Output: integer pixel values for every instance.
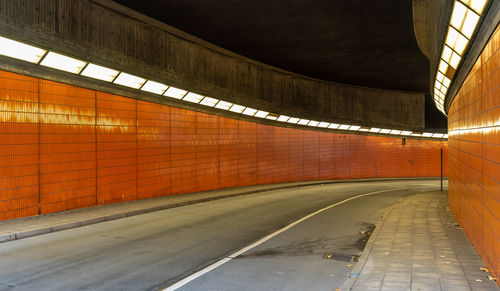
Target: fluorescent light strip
(323, 124)
(224, 105)
(313, 123)
(333, 125)
(63, 63)
(100, 73)
(293, 120)
(283, 118)
(175, 93)
(193, 97)
(249, 111)
(344, 126)
(406, 132)
(154, 87)
(209, 101)
(426, 134)
(261, 114)
(237, 108)
(128, 80)
(21, 51)
(374, 130)
(303, 121)
(384, 130)
(354, 127)
(364, 129)
(272, 116)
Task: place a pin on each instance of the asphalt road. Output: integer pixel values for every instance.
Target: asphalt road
(155, 250)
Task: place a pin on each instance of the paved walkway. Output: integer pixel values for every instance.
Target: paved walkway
(419, 246)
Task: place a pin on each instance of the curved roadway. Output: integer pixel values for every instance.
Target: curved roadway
(152, 251)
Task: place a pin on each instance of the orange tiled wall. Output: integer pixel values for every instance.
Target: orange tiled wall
(64, 147)
(474, 155)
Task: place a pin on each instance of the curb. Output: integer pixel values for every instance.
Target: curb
(76, 224)
(356, 271)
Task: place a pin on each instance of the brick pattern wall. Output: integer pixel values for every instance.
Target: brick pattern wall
(474, 155)
(64, 147)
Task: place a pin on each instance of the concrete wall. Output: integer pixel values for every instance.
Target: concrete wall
(474, 155)
(106, 33)
(65, 147)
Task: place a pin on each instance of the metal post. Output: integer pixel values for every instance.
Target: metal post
(441, 169)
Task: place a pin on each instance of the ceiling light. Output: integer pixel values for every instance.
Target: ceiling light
(374, 129)
(447, 52)
(20, 51)
(304, 121)
(364, 129)
(154, 87)
(438, 135)
(193, 97)
(313, 123)
(128, 80)
(446, 82)
(63, 63)
(249, 111)
(323, 124)
(237, 108)
(176, 93)
(455, 59)
(224, 105)
(344, 126)
(406, 132)
(333, 125)
(443, 66)
(261, 114)
(456, 41)
(477, 5)
(416, 134)
(469, 24)
(395, 131)
(426, 134)
(354, 127)
(458, 15)
(440, 76)
(209, 101)
(385, 130)
(293, 120)
(283, 118)
(272, 116)
(445, 136)
(99, 73)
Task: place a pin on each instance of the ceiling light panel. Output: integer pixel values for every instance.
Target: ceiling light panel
(354, 127)
(395, 131)
(175, 93)
(18, 50)
(154, 87)
(272, 116)
(469, 24)
(385, 131)
(344, 126)
(374, 129)
(333, 125)
(293, 120)
(193, 97)
(237, 108)
(249, 111)
(100, 73)
(313, 123)
(209, 101)
(128, 80)
(261, 114)
(63, 63)
(323, 124)
(406, 132)
(283, 118)
(224, 105)
(476, 5)
(303, 121)
(458, 15)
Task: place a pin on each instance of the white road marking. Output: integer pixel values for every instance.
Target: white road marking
(221, 262)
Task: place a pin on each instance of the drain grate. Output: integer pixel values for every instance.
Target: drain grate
(341, 257)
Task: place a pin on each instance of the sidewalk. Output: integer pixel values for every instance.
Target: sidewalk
(418, 246)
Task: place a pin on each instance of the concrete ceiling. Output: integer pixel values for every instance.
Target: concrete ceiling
(368, 43)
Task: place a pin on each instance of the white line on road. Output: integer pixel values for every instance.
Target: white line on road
(260, 241)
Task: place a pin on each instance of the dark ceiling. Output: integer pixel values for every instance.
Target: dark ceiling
(369, 43)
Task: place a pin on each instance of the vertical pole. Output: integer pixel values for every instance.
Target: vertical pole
(441, 169)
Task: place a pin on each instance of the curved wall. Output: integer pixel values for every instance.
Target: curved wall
(102, 32)
(474, 154)
(65, 147)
